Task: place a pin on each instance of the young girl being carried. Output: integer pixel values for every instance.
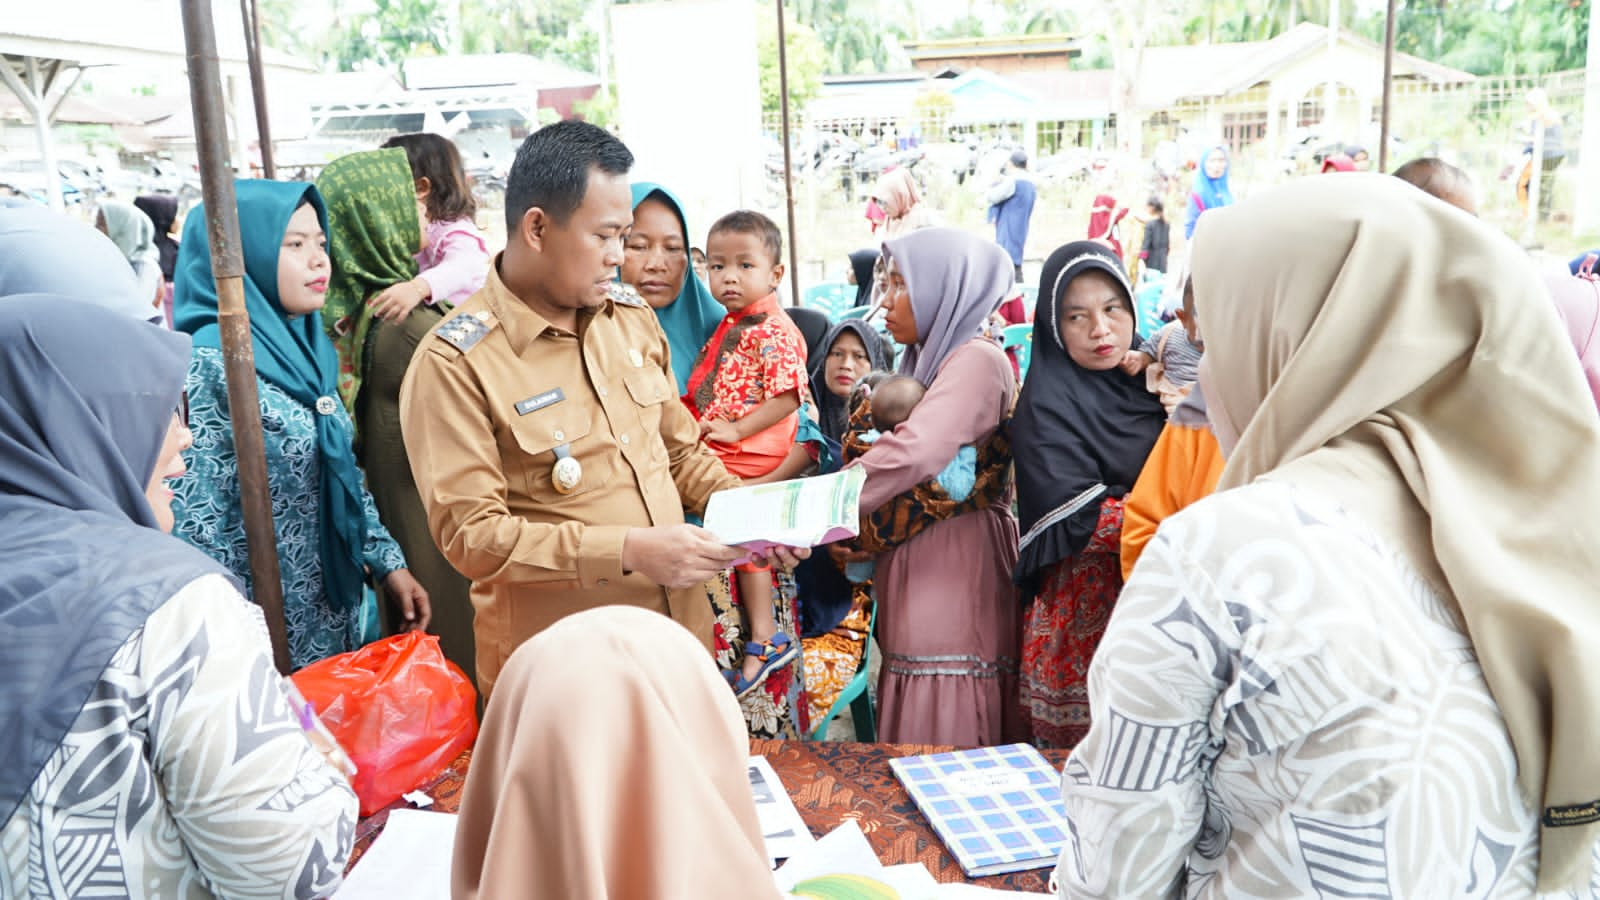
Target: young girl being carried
(454, 259)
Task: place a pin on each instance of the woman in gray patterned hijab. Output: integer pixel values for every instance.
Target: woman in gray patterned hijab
(149, 747)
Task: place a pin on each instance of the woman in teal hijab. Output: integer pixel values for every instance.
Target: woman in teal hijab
(328, 532)
(656, 264)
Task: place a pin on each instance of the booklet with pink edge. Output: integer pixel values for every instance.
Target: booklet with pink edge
(804, 512)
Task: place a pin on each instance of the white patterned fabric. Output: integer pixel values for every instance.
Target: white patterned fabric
(185, 774)
(1283, 707)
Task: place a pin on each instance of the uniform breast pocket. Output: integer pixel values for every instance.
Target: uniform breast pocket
(563, 427)
(649, 389)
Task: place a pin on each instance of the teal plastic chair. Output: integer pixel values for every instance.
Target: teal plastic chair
(1021, 338)
(832, 297)
(855, 695)
(1147, 308)
(854, 312)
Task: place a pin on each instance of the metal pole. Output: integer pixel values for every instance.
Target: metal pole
(788, 166)
(227, 267)
(258, 84)
(1388, 88)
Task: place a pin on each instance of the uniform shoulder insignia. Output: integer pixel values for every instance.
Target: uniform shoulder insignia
(626, 294)
(463, 332)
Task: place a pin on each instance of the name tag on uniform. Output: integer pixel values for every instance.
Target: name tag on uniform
(540, 401)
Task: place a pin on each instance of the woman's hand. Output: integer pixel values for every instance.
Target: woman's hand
(397, 301)
(842, 554)
(411, 597)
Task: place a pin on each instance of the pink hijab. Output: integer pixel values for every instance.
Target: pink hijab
(1338, 162)
(1577, 299)
(900, 199)
(612, 763)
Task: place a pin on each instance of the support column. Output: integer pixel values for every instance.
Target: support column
(241, 129)
(32, 90)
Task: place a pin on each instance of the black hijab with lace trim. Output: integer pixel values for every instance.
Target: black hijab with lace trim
(1079, 436)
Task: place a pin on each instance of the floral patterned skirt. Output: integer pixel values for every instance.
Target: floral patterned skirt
(832, 659)
(1061, 630)
(779, 708)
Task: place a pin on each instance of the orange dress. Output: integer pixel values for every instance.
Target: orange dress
(1183, 467)
(754, 355)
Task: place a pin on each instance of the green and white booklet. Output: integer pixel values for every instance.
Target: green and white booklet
(804, 512)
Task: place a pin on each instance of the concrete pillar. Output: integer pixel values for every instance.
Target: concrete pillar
(32, 95)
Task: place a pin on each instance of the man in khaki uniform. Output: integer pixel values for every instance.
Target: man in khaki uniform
(543, 424)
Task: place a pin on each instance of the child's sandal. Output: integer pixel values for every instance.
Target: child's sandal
(774, 653)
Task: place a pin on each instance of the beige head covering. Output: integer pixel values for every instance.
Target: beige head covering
(901, 200)
(611, 764)
(1369, 339)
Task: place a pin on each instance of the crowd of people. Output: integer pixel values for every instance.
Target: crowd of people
(1298, 573)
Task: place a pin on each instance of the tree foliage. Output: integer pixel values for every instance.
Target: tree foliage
(1486, 37)
(806, 61)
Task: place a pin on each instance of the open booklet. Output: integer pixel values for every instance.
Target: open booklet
(805, 512)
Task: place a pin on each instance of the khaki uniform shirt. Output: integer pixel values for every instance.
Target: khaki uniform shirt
(495, 395)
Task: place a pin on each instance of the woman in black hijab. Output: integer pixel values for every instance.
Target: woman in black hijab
(1082, 431)
(863, 263)
(849, 350)
(163, 212)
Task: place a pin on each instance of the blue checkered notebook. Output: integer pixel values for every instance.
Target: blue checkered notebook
(998, 809)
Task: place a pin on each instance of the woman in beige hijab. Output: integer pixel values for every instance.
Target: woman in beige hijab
(612, 782)
(901, 200)
(1366, 667)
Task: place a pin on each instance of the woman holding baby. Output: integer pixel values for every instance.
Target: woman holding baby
(948, 619)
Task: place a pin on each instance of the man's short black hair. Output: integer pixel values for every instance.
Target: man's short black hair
(748, 221)
(1155, 205)
(552, 168)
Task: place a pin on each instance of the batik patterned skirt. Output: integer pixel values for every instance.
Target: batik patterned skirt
(1063, 627)
(779, 707)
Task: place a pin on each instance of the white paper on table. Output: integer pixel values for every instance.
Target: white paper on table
(410, 858)
(845, 851)
(912, 881)
(804, 512)
(842, 851)
(782, 828)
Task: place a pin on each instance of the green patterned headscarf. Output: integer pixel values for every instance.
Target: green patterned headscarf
(373, 238)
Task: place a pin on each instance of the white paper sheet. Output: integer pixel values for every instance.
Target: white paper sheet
(410, 859)
(842, 851)
(804, 512)
(785, 832)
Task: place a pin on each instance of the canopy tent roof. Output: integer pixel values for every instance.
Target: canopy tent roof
(129, 32)
(45, 47)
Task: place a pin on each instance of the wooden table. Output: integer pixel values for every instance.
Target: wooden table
(829, 783)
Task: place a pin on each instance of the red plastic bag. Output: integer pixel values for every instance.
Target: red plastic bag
(398, 707)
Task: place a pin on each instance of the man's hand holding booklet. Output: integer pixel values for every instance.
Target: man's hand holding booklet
(805, 512)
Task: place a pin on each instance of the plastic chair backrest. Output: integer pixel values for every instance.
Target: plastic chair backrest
(854, 312)
(832, 297)
(1020, 337)
(1147, 307)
